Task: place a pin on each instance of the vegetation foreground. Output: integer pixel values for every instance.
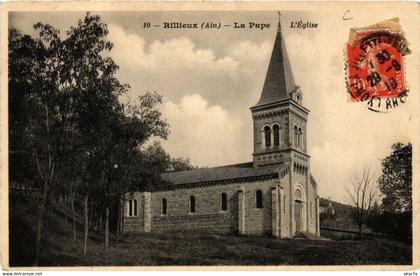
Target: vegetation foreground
(188, 248)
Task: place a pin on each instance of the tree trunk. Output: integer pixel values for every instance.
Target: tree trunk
(92, 214)
(47, 181)
(64, 206)
(39, 224)
(117, 233)
(106, 226)
(122, 221)
(73, 212)
(86, 201)
(100, 221)
(361, 232)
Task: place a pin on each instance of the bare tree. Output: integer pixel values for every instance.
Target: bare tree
(364, 193)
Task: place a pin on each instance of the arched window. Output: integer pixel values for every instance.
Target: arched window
(192, 204)
(224, 202)
(130, 208)
(300, 137)
(267, 136)
(164, 206)
(135, 208)
(276, 134)
(298, 195)
(296, 136)
(258, 199)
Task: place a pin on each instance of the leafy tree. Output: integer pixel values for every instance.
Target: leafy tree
(154, 162)
(182, 164)
(394, 217)
(44, 133)
(139, 122)
(393, 225)
(395, 182)
(23, 61)
(69, 132)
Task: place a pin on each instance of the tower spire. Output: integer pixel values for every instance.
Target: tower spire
(279, 81)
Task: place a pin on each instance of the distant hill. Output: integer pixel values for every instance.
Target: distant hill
(336, 215)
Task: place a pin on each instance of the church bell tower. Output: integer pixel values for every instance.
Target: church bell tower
(279, 116)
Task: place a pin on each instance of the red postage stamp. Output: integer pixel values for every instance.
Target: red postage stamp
(375, 66)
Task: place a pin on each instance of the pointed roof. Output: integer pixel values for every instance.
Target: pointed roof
(279, 80)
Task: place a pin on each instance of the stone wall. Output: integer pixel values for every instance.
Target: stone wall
(134, 223)
(208, 215)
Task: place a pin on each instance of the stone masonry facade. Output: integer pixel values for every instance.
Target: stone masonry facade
(241, 216)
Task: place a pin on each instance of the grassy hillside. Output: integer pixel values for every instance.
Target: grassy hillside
(188, 248)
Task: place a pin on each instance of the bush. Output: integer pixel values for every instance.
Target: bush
(397, 226)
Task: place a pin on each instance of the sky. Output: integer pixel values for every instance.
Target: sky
(210, 78)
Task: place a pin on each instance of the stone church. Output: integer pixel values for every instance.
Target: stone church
(275, 194)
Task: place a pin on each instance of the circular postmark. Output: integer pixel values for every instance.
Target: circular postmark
(375, 69)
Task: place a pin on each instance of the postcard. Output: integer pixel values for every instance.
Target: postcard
(210, 135)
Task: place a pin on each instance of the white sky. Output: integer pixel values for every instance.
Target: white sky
(210, 78)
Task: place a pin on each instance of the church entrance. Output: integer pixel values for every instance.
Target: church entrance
(298, 215)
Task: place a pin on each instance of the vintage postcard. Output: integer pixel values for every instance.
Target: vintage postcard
(259, 136)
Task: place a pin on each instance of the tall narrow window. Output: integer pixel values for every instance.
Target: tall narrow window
(135, 208)
(267, 136)
(164, 206)
(295, 136)
(258, 199)
(192, 204)
(224, 202)
(300, 135)
(276, 134)
(284, 205)
(311, 209)
(130, 208)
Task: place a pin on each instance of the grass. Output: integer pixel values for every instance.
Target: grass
(186, 248)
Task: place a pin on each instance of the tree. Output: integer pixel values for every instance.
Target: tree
(69, 87)
(364, 194)
(182, 164)
(154, 162)
(395, 182)
(138, 123)
(23, 61)
(44, 132)
(69, 132)
(394, 217)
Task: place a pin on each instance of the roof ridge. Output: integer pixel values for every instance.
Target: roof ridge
(218, 174)
(236, 165)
